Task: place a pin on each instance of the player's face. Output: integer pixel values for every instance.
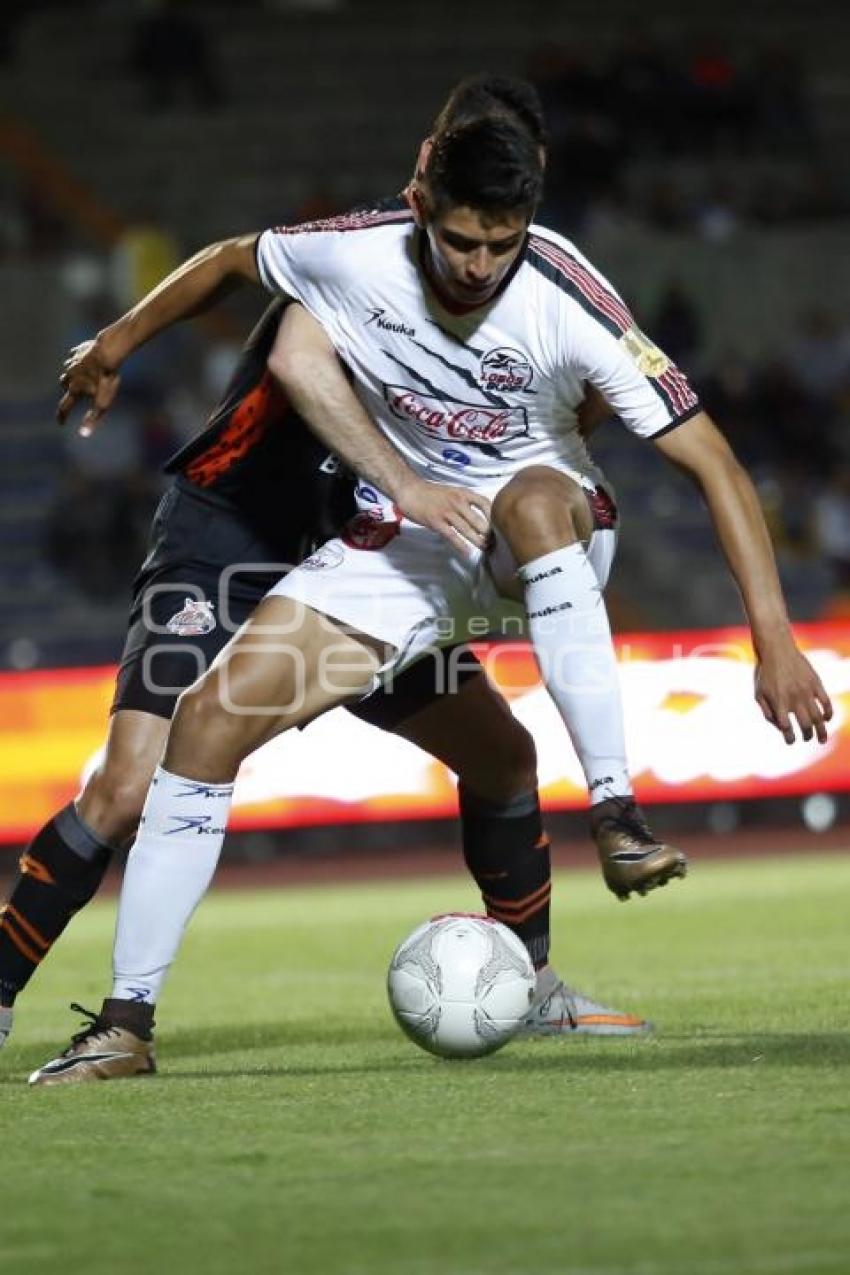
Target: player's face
(470, 253)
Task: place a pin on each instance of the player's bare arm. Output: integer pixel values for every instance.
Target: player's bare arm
(304, 361)
(786, 683)
(90, 370)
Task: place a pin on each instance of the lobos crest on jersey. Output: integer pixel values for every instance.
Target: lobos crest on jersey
(195, 619)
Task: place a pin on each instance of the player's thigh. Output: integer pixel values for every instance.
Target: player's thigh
(285, 666)
(475, 734)
(112, 799)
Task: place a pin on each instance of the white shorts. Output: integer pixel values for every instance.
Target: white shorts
(407, 587)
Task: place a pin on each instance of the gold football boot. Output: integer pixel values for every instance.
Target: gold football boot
(632, 859)
(101, 1051)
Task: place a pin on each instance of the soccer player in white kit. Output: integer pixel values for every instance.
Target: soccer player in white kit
(469, 337)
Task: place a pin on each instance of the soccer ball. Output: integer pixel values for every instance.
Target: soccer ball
(460, 985)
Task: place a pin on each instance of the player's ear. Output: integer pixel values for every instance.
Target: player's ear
(423, 158)
(416, 189)
(418, 204)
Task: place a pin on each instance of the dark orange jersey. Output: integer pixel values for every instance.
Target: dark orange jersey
(258, 456)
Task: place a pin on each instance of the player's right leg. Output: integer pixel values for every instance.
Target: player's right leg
(286, 665)
(179, 620)
(561, 541)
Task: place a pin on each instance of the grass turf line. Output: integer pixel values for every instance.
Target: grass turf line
(293, 1128)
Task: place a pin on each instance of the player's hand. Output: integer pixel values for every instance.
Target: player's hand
(786, 686)
(460, 515)
(86, 374)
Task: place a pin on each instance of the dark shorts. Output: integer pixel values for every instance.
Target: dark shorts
(206, 570)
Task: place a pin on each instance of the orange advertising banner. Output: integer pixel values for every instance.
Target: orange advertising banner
(693, 731)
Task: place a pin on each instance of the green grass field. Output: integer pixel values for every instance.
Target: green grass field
(293, 1129)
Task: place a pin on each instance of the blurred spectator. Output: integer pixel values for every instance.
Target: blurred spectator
(587, 145)
(114, 451)
(794, 425)
(567, 83)
(96, 532)
(782, 109)
(46, 229)
(717, 103)
(728, 393)
(774, 423)
(666, 206)
(831, 518)
(675, 326)
(809, 194)
(159, 439)
(145, 252)
(584, 166)
(819, 353)
(716, 213)
(821, 197)
(170, 52)
(772, 201)
(645, 85)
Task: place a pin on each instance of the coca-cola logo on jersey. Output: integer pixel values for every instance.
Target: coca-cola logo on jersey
(467, 422)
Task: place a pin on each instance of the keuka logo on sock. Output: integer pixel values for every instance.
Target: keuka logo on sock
(537, 615)
(544, 575)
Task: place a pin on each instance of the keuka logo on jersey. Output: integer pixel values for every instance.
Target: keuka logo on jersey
(476, 423)
(378, 316)
(505, 370)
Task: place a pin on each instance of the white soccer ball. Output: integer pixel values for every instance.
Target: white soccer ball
(460, 985)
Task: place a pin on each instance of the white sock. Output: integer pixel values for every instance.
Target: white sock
(168, 870)
(571, 636)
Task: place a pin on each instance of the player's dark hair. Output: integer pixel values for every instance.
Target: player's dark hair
(491, 164)
(484, 95)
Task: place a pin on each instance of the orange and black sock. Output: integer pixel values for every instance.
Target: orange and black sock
(507, 853)
(60, 870)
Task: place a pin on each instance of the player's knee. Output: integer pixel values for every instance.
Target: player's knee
(542, 504)
(111, 802)
(210, 736)
(200, 713)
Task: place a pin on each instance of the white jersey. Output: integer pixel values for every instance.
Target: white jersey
(472, 396)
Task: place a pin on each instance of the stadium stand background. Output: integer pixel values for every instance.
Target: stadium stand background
(702, 163)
